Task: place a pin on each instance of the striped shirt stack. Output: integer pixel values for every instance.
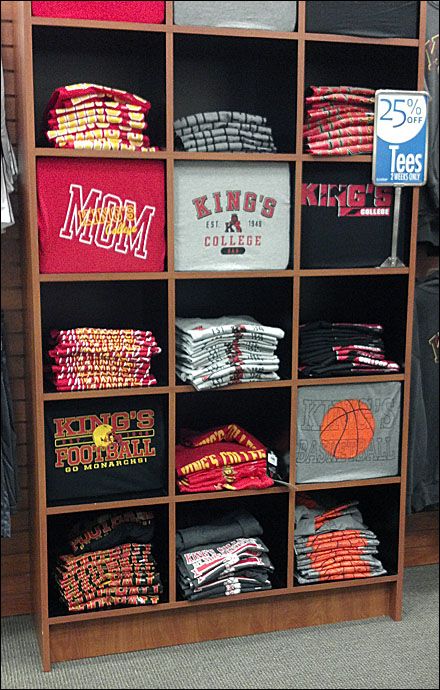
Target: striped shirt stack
(339, 121)
(99, 118)
(224, 130)
(95, 358)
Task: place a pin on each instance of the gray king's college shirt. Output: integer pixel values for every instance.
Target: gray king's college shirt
(231, 216)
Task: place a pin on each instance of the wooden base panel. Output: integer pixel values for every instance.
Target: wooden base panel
(184, 626)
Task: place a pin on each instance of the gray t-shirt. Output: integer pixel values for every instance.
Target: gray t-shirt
(273, 16)
(231, 216)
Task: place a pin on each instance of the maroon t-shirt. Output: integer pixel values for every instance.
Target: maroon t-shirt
(145, 12)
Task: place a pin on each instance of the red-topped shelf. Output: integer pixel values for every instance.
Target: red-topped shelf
(97, 24)
(211, 495)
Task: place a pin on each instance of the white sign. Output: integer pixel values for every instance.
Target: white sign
(400, 138)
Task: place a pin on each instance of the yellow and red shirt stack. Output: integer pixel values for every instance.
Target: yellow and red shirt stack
(339, 121)
(96, 358)
(111, 564)
(333, 543)
(225, 457)
(102, 118)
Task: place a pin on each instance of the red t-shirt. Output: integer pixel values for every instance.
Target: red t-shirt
(101, 216)
(145, 12)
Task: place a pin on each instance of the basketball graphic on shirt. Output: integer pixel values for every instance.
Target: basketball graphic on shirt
(347, 429)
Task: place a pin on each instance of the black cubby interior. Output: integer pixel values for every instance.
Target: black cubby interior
(251, 75)
(379, 507)
(354, 64)
(335, 231)
(269, 301)
(271, 511)
(360, 299)
(59, 527)
(252, 409)
(138, 304)
(133, 61)
(134, 466)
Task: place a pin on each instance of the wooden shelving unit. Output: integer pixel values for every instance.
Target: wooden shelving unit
(288, 605)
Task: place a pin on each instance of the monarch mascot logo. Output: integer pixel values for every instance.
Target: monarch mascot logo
(347, 429)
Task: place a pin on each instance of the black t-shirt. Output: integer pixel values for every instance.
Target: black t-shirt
(103, 448)
(388, 19)
(423, 445)
(346, 220)
(429, 195)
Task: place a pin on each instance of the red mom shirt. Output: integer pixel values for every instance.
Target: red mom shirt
(101, 216)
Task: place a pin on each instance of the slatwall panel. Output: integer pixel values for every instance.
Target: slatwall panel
(422, 535)
(15, 582)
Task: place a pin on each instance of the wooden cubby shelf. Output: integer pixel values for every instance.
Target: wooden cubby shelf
(351, 379)
(106, 505)
(310, 158)
(95, 24)
(365, 40)
(182, 70)
(96, 277)
(348, 484)
(74, 153)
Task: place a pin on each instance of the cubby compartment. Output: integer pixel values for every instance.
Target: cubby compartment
(133, 62)
(379, 508)
(233, 216)
(347, 222)
(63, 529)
(371, 66)
(243, 297)
(270, 510)
(141, 305)
(248, 409)
(360, 300)
(372, 19)
(348, 432)
(256, 76)
(106, 449)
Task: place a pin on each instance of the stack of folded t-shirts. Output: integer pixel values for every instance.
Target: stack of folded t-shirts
(333, 543)
(332, 349)
(224, 130)
(226, 457)
(339, 120)
(223, 558)
(94, 358)
(110, 564)
(230, 349)
(89, 116)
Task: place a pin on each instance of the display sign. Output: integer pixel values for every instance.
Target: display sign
(400, 138)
